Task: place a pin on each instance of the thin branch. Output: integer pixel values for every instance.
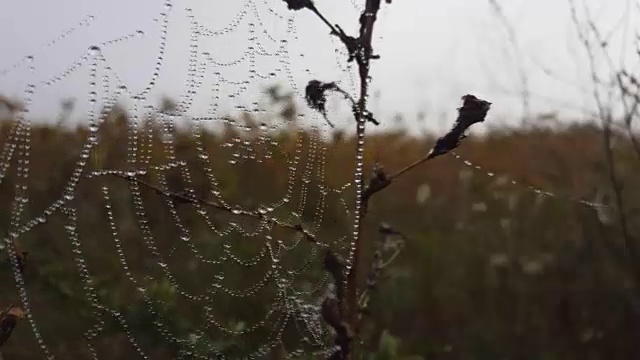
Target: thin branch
(473, 111)
(350, 42)
(363, 57)
(334, 30)
(386, 232)
(606, 119)
(513, 41)
(360, 50)
(193, 199)
(630, 113)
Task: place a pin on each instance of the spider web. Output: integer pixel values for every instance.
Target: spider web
(255, 284)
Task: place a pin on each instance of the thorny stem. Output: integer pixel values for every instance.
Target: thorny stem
(189, 198)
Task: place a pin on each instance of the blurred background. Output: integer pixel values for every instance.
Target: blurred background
(521, 245)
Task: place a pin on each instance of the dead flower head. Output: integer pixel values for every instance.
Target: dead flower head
(299, 4)
(473, 110)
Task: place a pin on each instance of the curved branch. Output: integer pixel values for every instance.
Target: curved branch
(190, 198)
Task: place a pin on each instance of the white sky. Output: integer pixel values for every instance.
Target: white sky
(432, 51)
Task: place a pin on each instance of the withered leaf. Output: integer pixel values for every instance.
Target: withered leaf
(315, 94)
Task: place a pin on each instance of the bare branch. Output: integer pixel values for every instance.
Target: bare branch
(473, 111)
(606, 119)
(351, 43)
(363, 57)
(385, 242)
(513, 41)
(190, 198)
(630, 111)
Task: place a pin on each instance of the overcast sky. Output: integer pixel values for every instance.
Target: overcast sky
(432, 52)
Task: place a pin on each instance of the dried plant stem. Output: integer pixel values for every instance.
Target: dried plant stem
(181, 197)
(630, 113)
(606, 119)
(344, 313)
(409, 167)
(334, 30)
(367, 22)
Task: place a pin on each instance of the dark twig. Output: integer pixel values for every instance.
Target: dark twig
(522, 74)
(389, 239)
(335, 265)
(360, 49)
(389, 245)
(473, 111)
(363, 57)
(333, 310)
(21, 260)
(630, 112)
(606, 118)
(8, 320)
(20, 256)
(185, 197)
(351, 43)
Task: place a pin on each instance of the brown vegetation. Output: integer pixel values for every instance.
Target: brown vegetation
(490, 269)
